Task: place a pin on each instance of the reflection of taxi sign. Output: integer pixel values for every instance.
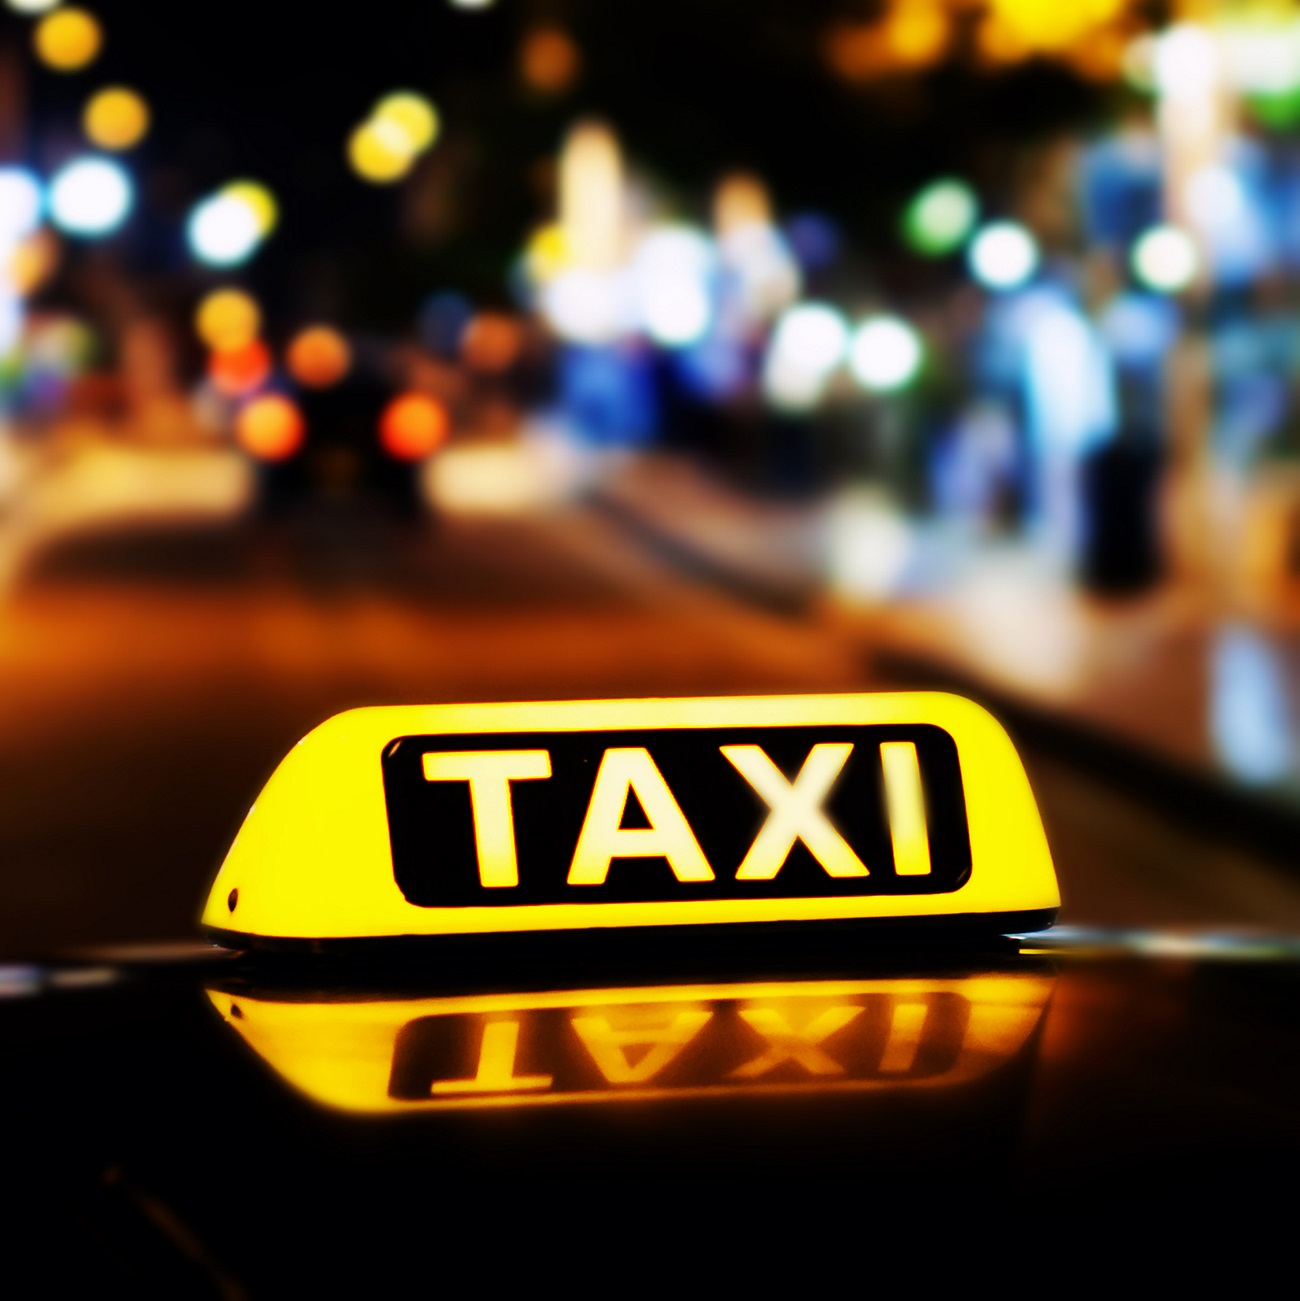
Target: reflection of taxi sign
(610, 1045)
(464, 819)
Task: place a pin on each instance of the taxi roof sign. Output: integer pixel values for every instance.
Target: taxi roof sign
(472, 819)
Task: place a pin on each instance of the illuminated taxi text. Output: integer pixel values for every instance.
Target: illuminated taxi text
(655, 815)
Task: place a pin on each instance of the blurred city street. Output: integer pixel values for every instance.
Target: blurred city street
(152, 675)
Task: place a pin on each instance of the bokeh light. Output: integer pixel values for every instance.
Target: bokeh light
(30, 262)
(412, 426)
(116, 118)
(237, 372)
(270, 427)
(21, 201)
(90, 196)
(228, 319)
(885, 354)
(1004, 255)
(318, 356)
(808, 343)
(814, 336)
(258, 199)
(410, 114)
(492, 342)
(1165, 259)
(223, 231)
(672, 270)
(32, 6)
(68, 39)
(548, 60)
(378, 153)
(939, 219)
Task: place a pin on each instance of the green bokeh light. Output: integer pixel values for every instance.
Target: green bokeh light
(938, 219)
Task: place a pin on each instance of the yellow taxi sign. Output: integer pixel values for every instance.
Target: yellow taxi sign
(471, 819)
(383, 1056)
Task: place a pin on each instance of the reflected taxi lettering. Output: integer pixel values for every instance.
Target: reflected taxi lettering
(672, 1041)
(711, 813)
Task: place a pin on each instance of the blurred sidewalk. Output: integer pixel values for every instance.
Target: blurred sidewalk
(1170, 694)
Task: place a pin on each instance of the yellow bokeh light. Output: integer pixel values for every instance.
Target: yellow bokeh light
(547, 253)
(259, 201)
(227, 319)
(68, 39)
(31, 261)
(116, 118)
(410, 114)
(378, 153)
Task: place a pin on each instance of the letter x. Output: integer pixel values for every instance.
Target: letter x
(786, 1044)
(796, 811)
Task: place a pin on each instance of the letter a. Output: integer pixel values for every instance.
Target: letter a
(603, 838)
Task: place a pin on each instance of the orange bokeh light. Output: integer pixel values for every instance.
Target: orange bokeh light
(318, 357)
(492, 342)
(549, 60)
(237, 372)
(270, 428)
(412, 426)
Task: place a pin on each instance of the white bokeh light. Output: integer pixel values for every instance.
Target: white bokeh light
(1165, 259)
(224, 231)
(1004, 255)
(90, 196)
(885, 354)
(809, 342)
(672, 272)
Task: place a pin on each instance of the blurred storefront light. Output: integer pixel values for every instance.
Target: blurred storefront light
(412, 426)
(1186, 62)
(90, 196)
(1003, 255)
(940, 218)
(68, 39)
(591, 197)
(270, 428)
(223, 231)
(116, 118)
(21, 202)
(318, 357)
(1250, 713)
(228, 318)
(1165, 259)
(885, 354)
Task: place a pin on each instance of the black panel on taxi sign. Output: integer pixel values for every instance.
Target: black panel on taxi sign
(432, 823)
(439, 820)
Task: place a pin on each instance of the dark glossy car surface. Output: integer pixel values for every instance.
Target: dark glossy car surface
(186, 1124)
